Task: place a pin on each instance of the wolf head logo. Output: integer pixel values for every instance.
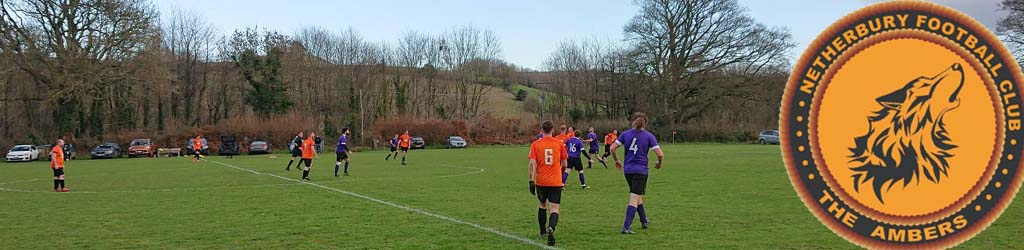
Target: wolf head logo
(906, 138)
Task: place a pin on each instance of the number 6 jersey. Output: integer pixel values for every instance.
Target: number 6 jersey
(549, 154)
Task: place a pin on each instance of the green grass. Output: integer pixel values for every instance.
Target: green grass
(708, 196)
(533, 94)
(502, 104)
(550, 98)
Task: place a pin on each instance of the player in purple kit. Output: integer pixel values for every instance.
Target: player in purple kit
(592, 141)
(574, 146)
(563, 136)
(342, 151)
(394, 148)
(638, 142)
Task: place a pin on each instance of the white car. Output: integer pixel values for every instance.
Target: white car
(23, 153)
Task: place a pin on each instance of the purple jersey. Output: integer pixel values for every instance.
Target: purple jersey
(593, 140)
(540, 136)
(574, 146)
(394, 142)
(637, 144)
(342, 144)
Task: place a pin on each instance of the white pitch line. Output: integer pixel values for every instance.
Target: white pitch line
(141, 190)
(478, 170)
(399, 206)
(12, 182)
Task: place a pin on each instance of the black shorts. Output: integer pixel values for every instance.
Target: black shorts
(607, 148)
(342, 156)
(196, 154)
(58, 172)
(576, 163)
(637, 183)
(308, 162)
(549, 194)
(594, 151)
(296, 153)
(393, 149)
(405, 149)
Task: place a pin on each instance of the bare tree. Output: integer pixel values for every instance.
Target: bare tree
(189, 38)
(318, 43)
(685, 41)
(578, 68)
(311, 72)
(413, 49)
(1011, 28)
(76, 49)
(468, 52)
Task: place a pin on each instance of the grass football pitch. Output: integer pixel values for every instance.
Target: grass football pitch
(707, 196)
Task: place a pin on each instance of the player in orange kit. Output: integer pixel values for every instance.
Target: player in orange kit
(404, 142)
(563, 133)
(308, 153)
(197, 146)
(609, 139)
(57, 164)
(548, 159)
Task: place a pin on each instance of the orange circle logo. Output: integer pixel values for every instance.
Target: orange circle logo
(900, 126)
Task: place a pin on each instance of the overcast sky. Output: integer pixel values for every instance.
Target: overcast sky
(529, 29)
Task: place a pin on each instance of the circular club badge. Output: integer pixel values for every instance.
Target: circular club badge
(901, 126)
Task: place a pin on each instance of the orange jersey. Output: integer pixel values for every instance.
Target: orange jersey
(404, 141)
(307, 148)
(58, 161)
(197, 144)
(610, 138)
(563, 137)
(549, 153)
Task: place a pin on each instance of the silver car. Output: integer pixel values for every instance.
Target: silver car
(456, 142)
(259, 147)
(203, 151)
(106, 150)
(769, 137)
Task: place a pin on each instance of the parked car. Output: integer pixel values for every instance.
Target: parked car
(69, 152)
(23, 153)
(107, 150)
(228, 145)
(769, 137)
(141, 147)
(189, 147)
(259, 147)
(418, 143)
(456, 142)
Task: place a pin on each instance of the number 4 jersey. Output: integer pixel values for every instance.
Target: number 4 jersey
(637, 143)
(549, 154)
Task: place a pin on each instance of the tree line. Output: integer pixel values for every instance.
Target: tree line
(92, 68)
(88, 68)
(699, 67)
(704, 68)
